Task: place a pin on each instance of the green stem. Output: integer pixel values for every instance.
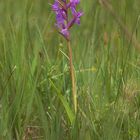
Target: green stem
(72, 76)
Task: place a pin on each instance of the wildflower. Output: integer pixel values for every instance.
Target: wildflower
(63, 22)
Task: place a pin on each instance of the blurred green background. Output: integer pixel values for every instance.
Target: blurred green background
(35, 86)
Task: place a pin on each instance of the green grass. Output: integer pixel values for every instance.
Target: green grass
(35, 86)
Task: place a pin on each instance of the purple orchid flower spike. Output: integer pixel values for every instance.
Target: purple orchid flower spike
(63, 22)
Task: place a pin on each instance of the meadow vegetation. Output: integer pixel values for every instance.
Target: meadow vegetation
(35, 85)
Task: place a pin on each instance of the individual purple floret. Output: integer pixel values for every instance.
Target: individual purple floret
(63, 22)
